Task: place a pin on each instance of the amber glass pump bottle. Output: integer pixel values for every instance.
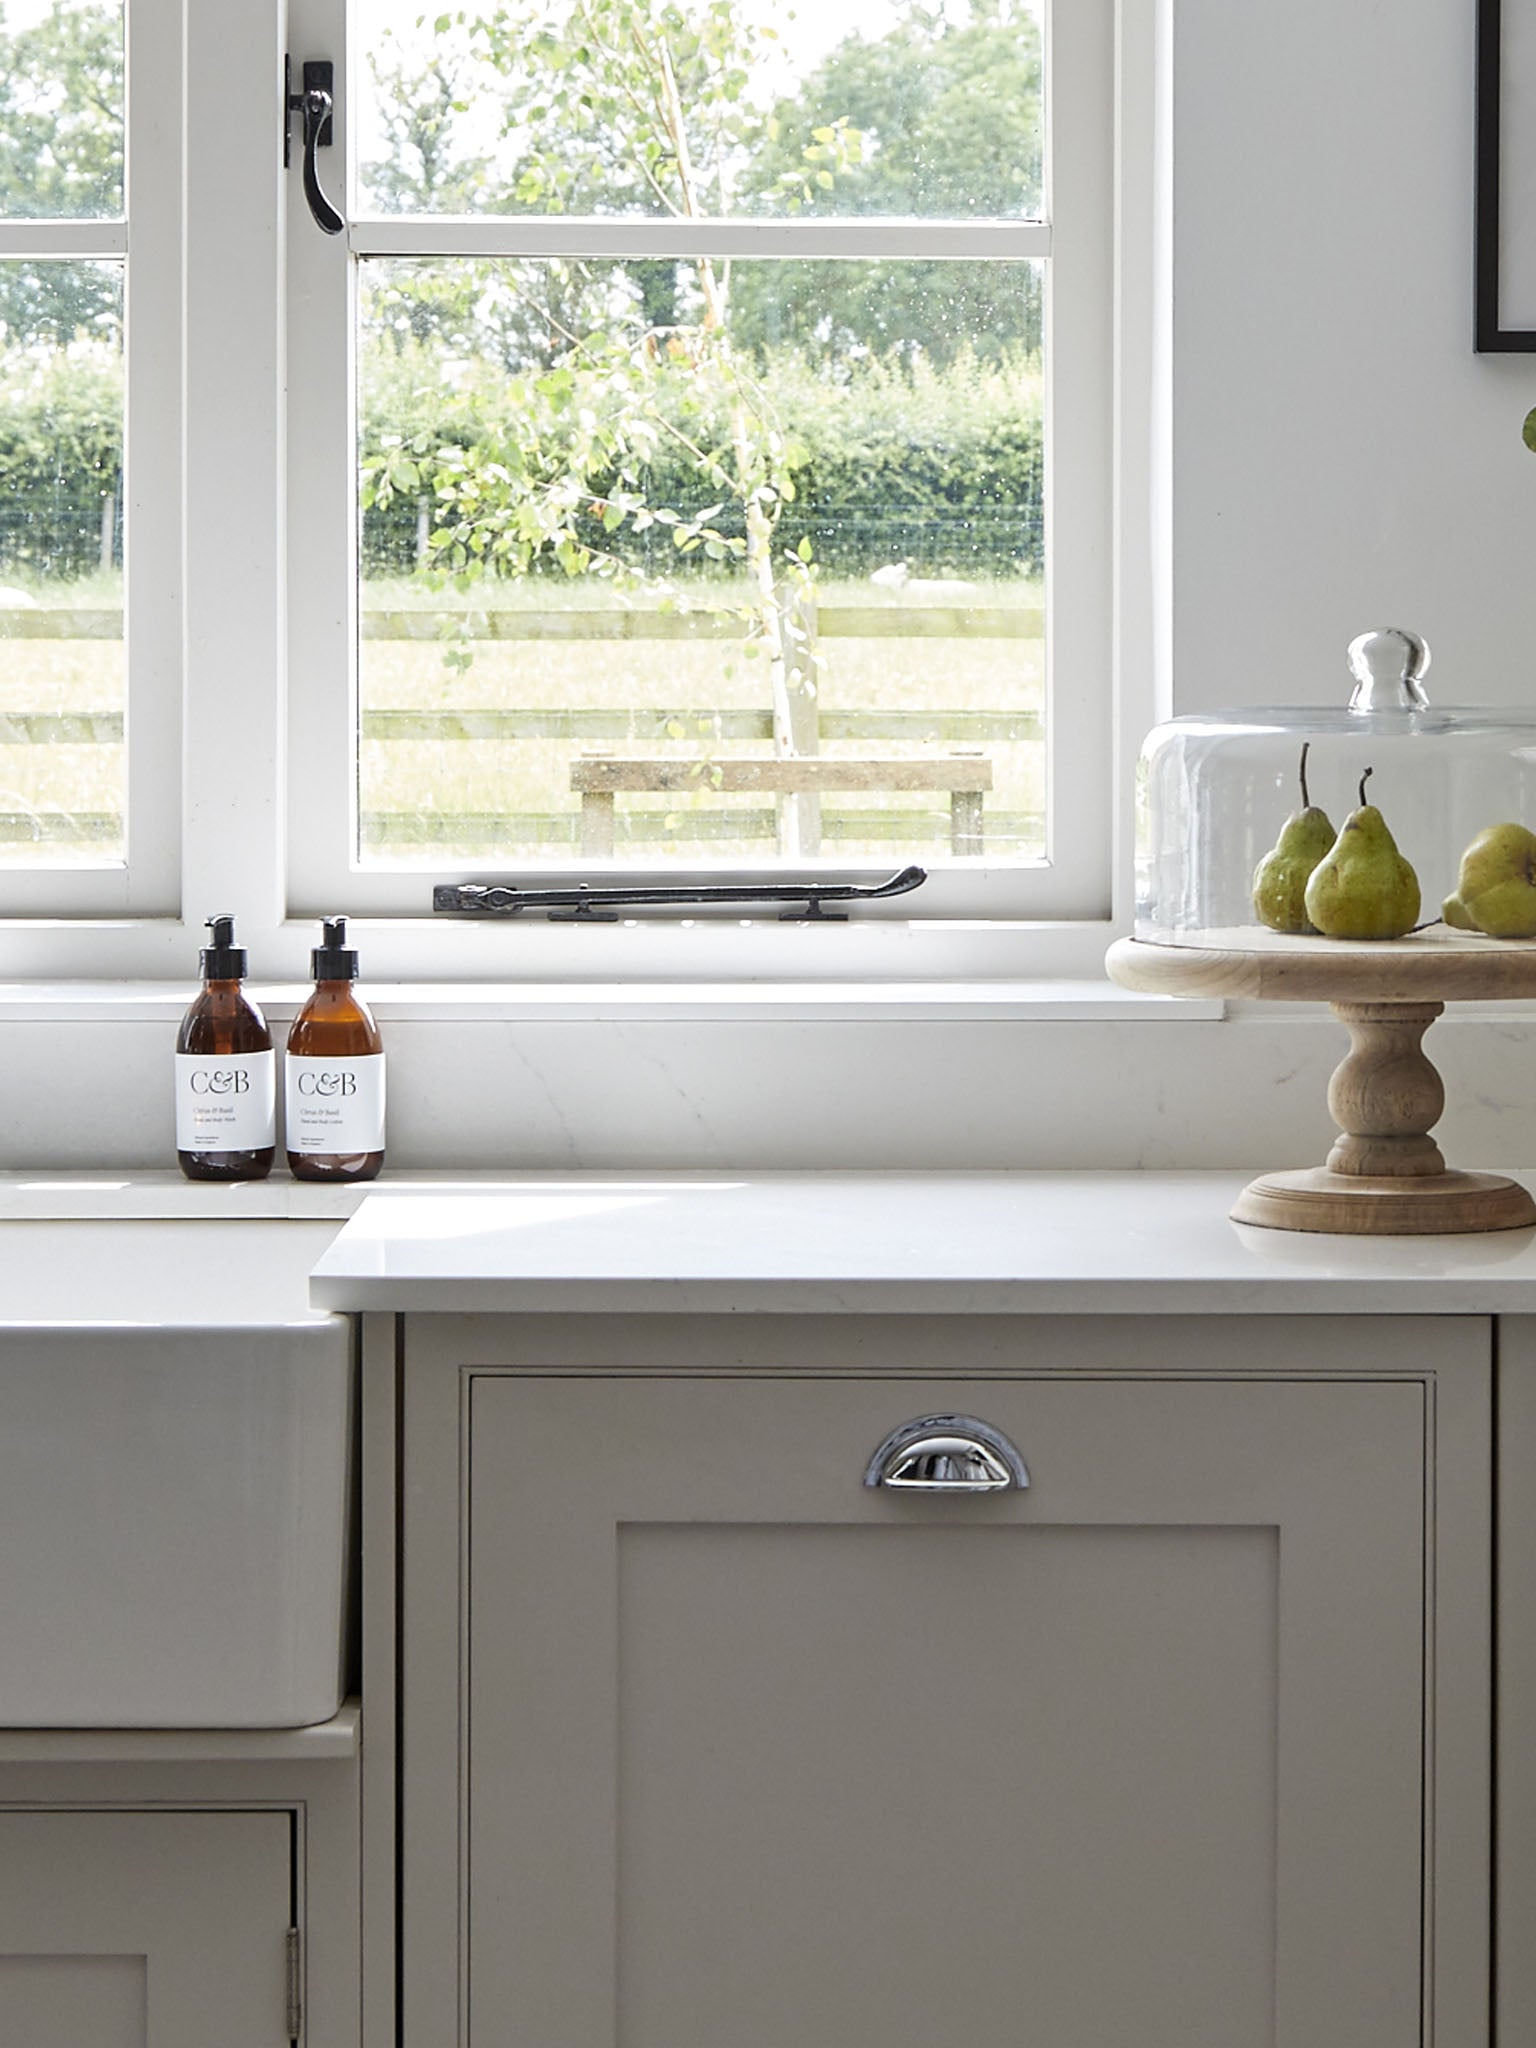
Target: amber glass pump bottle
(334, 1094)
(226, 1072)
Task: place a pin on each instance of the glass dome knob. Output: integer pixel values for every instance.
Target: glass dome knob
(1388, 667)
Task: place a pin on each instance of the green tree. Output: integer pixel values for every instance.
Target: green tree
(948, 103)
(606, 106)
(61, 158)
(630, 105)
(420, 106)
(60, 457)
(520, 318)
(948, 110)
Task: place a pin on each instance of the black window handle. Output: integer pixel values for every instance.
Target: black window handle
(586, 905)
(317, 104)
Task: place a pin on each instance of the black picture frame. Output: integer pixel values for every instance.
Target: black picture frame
(1490, 337)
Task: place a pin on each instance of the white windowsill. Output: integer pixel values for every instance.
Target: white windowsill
(989, 1002)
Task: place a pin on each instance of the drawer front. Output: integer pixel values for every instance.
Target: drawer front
(730, 1747)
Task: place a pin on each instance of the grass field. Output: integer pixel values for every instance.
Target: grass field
(429, 799)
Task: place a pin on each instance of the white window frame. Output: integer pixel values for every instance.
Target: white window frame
(244, 633)
(147, 238)
(1074, 883)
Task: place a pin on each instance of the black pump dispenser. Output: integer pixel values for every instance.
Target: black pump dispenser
(226, 1071)
(334, 1073)
(333, 959)
(223, 960)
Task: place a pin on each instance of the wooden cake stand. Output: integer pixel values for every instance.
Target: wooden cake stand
(1385, 1176)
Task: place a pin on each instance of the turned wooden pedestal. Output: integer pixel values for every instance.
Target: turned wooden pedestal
(1385, 1176)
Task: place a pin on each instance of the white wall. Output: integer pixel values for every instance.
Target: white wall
(1342, 459)
(1247, 1092)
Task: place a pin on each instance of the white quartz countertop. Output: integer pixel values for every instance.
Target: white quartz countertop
(984, 1243)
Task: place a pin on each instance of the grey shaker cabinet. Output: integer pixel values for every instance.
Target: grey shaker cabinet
(176, 1888)
(706, 1744)
(144, 1930)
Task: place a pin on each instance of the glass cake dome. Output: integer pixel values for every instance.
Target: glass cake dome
(1216, 789)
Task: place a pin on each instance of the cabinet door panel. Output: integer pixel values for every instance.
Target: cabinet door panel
(900, 1720)
(143, 1930)
(74, 2001)
(749, 1754)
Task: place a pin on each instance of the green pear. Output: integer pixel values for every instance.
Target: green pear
(1456, 913)
(1364, 889)
(1280, 879)
(1497, 883)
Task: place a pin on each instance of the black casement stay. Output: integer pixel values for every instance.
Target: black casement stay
(585, 905)
(317, 104)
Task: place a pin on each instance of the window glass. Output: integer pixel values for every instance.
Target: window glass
(62, 762)
(680, 561)
(61, 109)
(702, 108)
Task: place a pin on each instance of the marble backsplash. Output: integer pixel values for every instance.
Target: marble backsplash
(1247, 1090)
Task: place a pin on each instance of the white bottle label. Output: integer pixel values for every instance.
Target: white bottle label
(335, 1105)
(226, 1102)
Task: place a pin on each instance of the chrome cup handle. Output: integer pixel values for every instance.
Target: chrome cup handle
(946, 1454)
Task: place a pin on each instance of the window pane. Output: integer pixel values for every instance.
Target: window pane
(702, 107)
(61, 109)
(676, 566)
(61, 604)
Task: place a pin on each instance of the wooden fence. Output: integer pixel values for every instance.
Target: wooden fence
(834, 622)
(605, 728)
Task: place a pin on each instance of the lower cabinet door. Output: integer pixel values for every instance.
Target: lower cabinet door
(740, 1752)
(144, 1930)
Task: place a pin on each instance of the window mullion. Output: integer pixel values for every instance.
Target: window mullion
(152, 578)
(234, 648)
(321, 542)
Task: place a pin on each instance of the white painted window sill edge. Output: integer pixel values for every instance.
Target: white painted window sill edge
(980, 1002)
(162, 1194)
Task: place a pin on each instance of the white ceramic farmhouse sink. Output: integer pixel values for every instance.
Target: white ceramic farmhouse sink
(175, 1476)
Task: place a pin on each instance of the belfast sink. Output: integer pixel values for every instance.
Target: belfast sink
(175, 1476)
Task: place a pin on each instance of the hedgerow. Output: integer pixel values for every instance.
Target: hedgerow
(61, 458)
(889, 461)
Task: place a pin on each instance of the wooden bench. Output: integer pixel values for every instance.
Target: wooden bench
(965, 778)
